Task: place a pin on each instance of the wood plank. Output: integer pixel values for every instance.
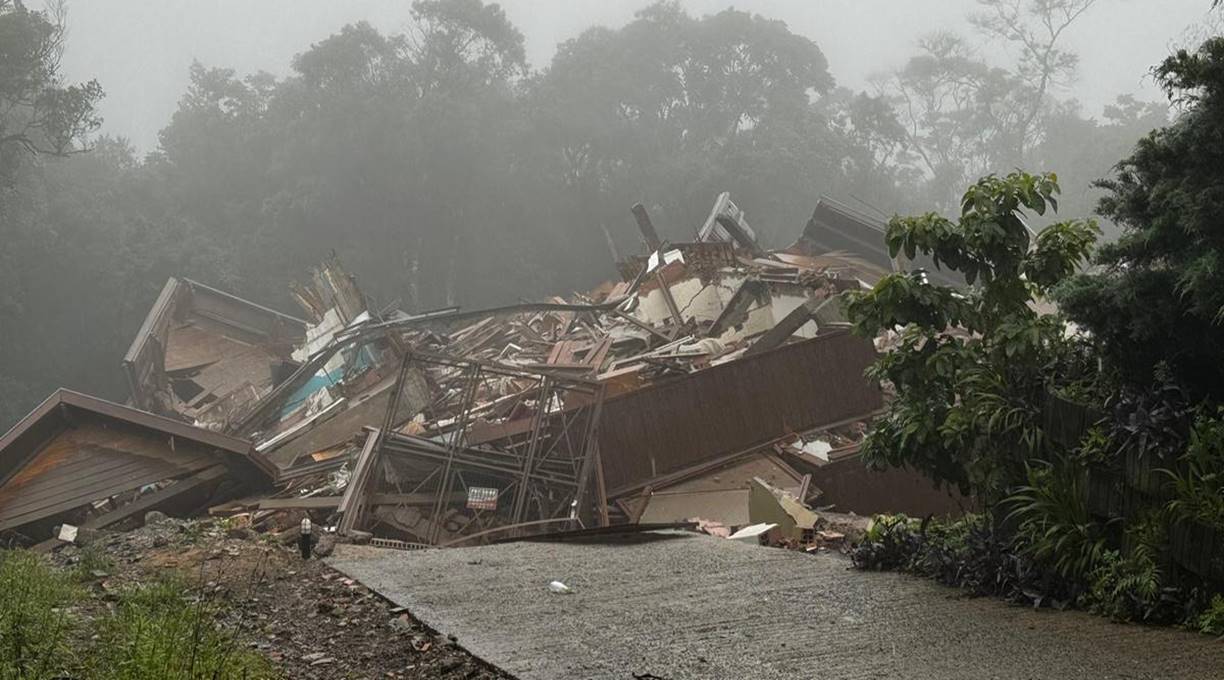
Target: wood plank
(306, 503)
(56, 481)
(149, 501)
(354, 493)
(69, 504)
(35, 493)
(51, 458)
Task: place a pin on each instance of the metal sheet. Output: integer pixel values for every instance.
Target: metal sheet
(734, 406)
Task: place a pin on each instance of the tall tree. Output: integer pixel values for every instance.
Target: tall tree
(965, 116)
(671, 110)
(405, 142)
(38, 112)
(1084, 149)
(1156, 302)
(39, 116)
(1035, 29)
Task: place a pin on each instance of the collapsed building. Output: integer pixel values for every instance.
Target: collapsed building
(710, 367)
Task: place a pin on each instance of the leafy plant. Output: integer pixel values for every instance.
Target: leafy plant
(1153, 421)
(1095, 448)
(1211, 621)
(1132, 587)
(1198, 486)
(972, 368)
(1055, 527)
(967, 553)
(891, 543)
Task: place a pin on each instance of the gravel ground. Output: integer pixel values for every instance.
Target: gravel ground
(311, 622)
(689, 606)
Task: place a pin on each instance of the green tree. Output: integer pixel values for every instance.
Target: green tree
(1156, 297)
(390, 149)
(972, 368)
(672, 109)
(40, 118)
(1086, 149)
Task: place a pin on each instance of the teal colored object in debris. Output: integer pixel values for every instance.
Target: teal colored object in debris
(359, 360)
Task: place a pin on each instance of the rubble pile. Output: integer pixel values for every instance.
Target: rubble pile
(711, 368)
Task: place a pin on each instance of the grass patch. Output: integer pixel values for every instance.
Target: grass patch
(161, 631)
(34, 623)
(167, 630)
(92, 560)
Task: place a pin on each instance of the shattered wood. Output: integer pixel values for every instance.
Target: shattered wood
(474, 425)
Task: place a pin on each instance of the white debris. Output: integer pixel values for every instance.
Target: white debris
(67, 533)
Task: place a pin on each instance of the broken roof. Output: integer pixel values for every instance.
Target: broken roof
(838, 228)
(199, 345)
(74, 449)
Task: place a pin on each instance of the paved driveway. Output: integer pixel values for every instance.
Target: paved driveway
(689, 606)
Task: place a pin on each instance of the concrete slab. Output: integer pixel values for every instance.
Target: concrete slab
(687, 606)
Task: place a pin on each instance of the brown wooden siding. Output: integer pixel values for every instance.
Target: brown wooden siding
(732, 407)
(92, 462)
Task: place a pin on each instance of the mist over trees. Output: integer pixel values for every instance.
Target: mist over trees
(444, 171)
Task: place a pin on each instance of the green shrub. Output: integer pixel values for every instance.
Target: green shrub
(34, 625)
(1124, 589)
(1211, 621)
(892, 542)
(1133, 587)
(1198, 486)
(1055, 528)
(165, 632)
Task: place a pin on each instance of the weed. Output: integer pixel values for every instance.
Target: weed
(164, 631)
(34, 625)
(91, 560)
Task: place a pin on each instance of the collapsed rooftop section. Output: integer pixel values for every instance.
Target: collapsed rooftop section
(709, 365)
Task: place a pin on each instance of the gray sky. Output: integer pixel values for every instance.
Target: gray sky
(140, 50)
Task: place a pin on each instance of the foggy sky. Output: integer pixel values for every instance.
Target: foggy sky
(140, 50)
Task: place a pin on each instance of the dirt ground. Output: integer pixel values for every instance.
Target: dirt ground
(687, 606)
(310, 621)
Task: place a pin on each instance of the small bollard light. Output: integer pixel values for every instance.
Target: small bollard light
(304, 538)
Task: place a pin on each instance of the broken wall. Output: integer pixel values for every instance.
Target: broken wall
(668, 426)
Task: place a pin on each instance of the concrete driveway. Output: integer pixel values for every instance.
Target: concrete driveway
(690, 606)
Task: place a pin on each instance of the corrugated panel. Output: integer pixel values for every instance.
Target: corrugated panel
(144, 357)
(734, 406)
(837, 227)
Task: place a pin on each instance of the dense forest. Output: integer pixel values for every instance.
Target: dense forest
(444, 171)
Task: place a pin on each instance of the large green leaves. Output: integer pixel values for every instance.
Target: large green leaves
(972, 368)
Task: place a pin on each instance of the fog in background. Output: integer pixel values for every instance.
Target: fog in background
(140, 50)
(460, 152)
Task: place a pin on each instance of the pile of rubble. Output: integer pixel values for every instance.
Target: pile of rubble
(710, 368)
